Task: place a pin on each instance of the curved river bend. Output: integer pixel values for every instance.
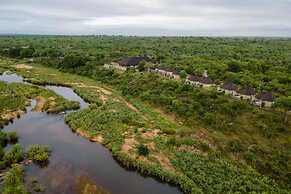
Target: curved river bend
(73, 156)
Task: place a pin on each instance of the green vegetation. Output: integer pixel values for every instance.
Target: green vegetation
(13, 181)
(3, 139)
(12, 136)
(198, 139)
(143, 150)
(36, 186)
(14, 155)
(263, 63)
(38, 153)
(14, 99)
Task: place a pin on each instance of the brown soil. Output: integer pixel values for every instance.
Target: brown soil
(86, 185)
(128, 145)
(97, 138)
(11, 115)
(164, 162)
(103, 98)
(103, 90)
(150, 134)
(113, 110)
(52, 102)
(172, 117)
(131, 106)
(51, 98)
(238, 159)
(192, 149)
(40, 102)
(202, 137)
(23, 66)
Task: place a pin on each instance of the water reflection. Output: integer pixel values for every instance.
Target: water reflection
(73, 156)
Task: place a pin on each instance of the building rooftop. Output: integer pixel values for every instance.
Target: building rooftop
(266, 96)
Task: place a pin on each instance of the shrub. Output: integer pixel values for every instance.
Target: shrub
(13, 181)
(183, 74)
(13, 156)
(12, 136)
(93, 106)
(38, 153)
(143, 150)
(1, 153)
(3, 139)
(235, 145)
(39, 188)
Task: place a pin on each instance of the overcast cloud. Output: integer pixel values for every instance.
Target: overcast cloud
(147, 17)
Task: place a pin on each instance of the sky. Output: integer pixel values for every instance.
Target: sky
(147, 17)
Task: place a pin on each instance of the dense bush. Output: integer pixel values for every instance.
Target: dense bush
(3, 139)
(38, 153)
(143, 150)
(14, 155)
(13, 181)
(12, 136)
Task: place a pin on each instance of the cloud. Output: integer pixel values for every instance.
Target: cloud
(147, 17)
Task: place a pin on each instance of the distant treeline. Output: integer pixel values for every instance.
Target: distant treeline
(263, 63)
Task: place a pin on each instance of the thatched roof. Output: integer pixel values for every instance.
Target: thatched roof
(246, 90)
(134, 61)
(266, 96)
(194, 78)
(161, 67)
(174, 70)
(206, 80)
(228, 86)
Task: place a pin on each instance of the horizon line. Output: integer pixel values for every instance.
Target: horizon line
(121, 35)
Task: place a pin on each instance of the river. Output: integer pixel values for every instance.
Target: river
(73, 156)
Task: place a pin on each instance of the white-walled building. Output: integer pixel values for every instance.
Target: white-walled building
(227, 88)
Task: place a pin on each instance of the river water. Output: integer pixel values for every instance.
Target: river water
(73, 156)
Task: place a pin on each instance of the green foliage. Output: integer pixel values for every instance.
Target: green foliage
(14, 155)
(13, 181)
(143, 150)
(234, 66)
(3, 139)
(215, 175)
(39, 188)
(38, 153)
(259, 62)
(183, 74)
(141, 66)
(1, 154)
(15, 96)
(12, 136)
(285, 104)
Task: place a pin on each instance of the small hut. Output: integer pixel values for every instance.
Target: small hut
(206, 82)
(193, 79)
(246, 92)
(228, 88)
(266, 98)
(132, 62)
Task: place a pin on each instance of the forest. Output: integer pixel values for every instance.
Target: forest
(263, 63)
(208, 136)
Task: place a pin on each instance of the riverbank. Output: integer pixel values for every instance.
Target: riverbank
(65, 167)
(124, 126)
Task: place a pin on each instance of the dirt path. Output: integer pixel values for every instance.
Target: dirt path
(131, 106)
(23, 66)
(103, 90)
